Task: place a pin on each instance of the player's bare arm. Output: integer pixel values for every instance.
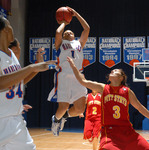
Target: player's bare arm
(86, 27)
(95, 86)
(14, 78)
(59, 34)
(136, 104)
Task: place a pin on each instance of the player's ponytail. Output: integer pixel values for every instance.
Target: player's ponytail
(124, 81)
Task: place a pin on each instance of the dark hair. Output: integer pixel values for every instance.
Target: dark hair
(14, 43)
(124, 81)
(2, 23)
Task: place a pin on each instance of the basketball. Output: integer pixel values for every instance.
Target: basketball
(63, 14)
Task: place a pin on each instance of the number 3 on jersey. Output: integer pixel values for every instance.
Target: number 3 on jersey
(117, 114)
(12, 93)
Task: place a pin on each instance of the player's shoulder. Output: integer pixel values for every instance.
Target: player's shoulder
(3, 56)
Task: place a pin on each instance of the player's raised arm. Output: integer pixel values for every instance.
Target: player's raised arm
(59, 34)
(14, 78)
(85, 25)
(95, 86)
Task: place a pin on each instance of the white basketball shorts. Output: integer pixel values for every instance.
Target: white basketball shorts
(14, 135)
(69, 88)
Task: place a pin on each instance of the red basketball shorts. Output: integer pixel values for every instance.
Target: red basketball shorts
(122, 138)
(92, 129)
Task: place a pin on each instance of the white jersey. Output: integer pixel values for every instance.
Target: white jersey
(73, 50)
(10, 99)
(67, 88)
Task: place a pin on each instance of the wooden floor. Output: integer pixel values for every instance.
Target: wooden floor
(45, 140)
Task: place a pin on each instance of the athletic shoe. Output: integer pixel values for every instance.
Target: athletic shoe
(55, 127)
(63, 120)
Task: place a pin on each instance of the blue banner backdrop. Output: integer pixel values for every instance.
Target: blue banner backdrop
(35, 44)
(109, 51)
(132, 49)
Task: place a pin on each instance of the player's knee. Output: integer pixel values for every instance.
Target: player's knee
(80, 110)
(63, 106)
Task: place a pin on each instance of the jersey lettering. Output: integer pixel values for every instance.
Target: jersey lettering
(11, 94)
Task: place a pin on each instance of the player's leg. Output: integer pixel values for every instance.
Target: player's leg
(75, 110)
(62, 107)
(57, 118)
(76, 95)
(78, 107)
(88, 130)
(106, 140)
(95, 143)
(96, 133)
(139, 142)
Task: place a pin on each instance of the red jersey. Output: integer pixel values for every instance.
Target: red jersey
(115, 106)
(93, 109)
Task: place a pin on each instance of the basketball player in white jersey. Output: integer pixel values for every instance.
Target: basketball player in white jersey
(13, 132)
(15, 47)
(70, 91)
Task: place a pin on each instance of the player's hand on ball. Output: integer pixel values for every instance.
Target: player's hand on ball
(71, 10)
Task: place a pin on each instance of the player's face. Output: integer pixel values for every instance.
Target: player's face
(115, 72)
(17, 49)
(115, 75)
(9, 32)
(68, 35)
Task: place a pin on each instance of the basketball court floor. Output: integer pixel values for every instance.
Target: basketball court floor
(67, 140)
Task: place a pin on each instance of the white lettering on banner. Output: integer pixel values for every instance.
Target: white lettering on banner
(131, 57)
(39, 46)
(41, 40)
(134, 45)
(134, 42)
(115, 45)
(90, 46)
(111, 57)
(111, 40)
(91, 40)
(136, 39)
(110, 43)
(91, 43)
